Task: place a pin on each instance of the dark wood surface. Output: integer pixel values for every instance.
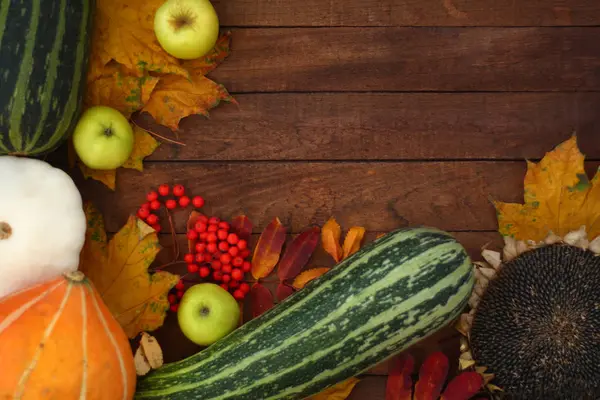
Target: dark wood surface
(382, 113)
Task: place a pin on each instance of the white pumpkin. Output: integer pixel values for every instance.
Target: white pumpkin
(42, 223)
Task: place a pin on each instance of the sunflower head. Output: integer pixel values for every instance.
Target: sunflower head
(533, 325)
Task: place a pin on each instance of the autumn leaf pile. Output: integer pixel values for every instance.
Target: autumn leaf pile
(130, 72)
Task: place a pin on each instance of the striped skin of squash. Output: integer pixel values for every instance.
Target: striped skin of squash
(44, 56)
(389, 295)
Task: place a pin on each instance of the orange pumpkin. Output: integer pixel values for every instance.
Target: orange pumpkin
(58, 340)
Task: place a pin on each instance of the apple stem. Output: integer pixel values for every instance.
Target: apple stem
(166, 139)
(5, 230)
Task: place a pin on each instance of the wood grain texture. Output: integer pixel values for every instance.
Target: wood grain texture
(389, 126)
(379, 196)
(412, 59)
(407, 12)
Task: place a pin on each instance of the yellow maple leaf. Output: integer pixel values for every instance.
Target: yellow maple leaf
(144, 145)
(119, 270)
(121, 89)
(337, 392)
(175, 98)
(558, 198)
(124, 32)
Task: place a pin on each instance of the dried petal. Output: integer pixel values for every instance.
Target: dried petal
(509, 251)
(463, 325)
(432, 376)
(463, 387)
(330, 236)
(142, 366)
(492, 257)
(399, 381)
(242, 226)
(353, 239)
(283, 291)
(552, 238)
(522, 247)
(298, 253)
(575, 237)
(268, 249)
(474, 300)
(261, 299)
(151, 350)
(595, 245)
(488, 273)
(307, 276)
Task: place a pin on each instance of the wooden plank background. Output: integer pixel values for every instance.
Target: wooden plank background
(382, 113)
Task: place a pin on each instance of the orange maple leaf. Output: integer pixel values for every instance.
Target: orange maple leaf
(119, 270)
(129, 71)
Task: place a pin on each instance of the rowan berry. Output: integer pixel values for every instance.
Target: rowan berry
(151, 196)
(238, 262)
(200, 247)
(239, 294)
(211, 237)
(143, 212)
(192, 235)
(184, 201)
(224, 225)
(189, 258)
(163, 189)
(244, 253)
(226, 278)
(244, 287)
(216, 264)
(234, 251)
(212, 228)
(237, 274)
(152, 219)
(211, 248)
(226, 268)
(200, 258)
(242, 244)
(174, 307)
(178, 190)
(204, 272)
(246, 267)
(232, 238)
(223, 246)
(157, 228)
(208, 257)
(222, 234)
(203, 219)
(214, 220)
(202, 236)
(217, 275)
(180, 293)
(234, 284)
(171, 204)
(198, 201)
(200, 227)
(155, 205)
(180, 285)
(225, 258)
(172, 298)
(225, 286)
(192, 268)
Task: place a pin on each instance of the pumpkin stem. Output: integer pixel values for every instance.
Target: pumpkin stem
(75, 276)
(5, 230)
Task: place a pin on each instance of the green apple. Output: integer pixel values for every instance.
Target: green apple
(206, 313)
(103, 138)
(186, 29)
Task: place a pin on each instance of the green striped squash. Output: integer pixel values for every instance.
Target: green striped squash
(44, 53)
(389, 295)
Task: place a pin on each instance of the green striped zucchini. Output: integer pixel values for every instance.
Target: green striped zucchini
(44, 53)
(389, 295)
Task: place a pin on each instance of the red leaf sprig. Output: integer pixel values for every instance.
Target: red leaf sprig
(298, 253)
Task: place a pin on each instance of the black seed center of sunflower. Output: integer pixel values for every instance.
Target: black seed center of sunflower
(537, 327)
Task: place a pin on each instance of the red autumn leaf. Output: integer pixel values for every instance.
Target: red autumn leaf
(268, 249)
(298, 253)
(432, 376)
(283, 291)
(463, 386)
(261, 299)
(242, 226)
(399, 382)
(191, 222)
